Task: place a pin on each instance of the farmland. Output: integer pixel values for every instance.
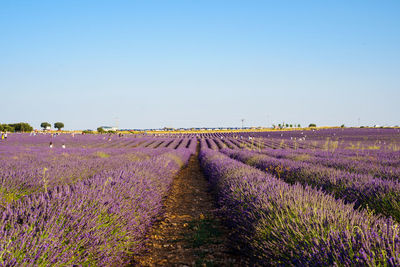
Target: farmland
(304, 197)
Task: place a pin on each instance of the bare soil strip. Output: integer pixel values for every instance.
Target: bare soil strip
(189, 233)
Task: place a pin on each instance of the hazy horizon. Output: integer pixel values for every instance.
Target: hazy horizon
(155, 64)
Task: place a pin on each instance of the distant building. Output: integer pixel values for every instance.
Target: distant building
(108, 128)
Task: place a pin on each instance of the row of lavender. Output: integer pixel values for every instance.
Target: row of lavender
(277, 223)
(385, 165)
(382, 196)
(89, 205)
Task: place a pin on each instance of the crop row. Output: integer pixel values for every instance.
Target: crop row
(377, 168)
(365, 191)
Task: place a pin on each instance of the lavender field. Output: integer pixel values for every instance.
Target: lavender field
(90, 203)
(312, 197)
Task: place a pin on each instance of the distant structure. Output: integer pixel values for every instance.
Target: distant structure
(109, 128)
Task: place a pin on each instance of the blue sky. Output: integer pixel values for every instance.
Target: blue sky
(199, 63)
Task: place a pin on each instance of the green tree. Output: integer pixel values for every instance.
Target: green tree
(312, 125)
(298, 125)
(44, 125)
(59, 125)
(9, 128)
(342, 126)
(100, 130)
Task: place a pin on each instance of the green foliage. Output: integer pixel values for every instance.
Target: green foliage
(102, 154)
(21, 127)
(312, 125)
(100, 130)
(87, 132)
(44, 125)
(6, 128)
(342, 126)
(59, 125)
(10, 195)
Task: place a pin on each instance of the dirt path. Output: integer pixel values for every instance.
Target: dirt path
(189, 233)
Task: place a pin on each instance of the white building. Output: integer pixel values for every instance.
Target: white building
(109, 128)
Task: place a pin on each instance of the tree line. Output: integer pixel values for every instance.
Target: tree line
(16, 127)
(26, 127)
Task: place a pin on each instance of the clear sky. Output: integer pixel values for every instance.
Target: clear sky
(199, 63)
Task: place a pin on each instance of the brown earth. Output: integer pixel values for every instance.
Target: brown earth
(189, 233)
